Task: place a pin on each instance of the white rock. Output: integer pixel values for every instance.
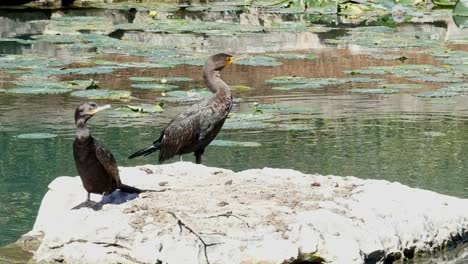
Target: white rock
(262, 215)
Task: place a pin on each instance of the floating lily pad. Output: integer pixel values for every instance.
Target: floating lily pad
(457, 88)
(103, 94)
(234, 125)
(240, 88)
(259, 61)
(293, 56)
(460, 13)
(18, 40)
(38, 90)
(168, 79)
(57, 39)
(249, 117)
(36, 136)
(374, 90)
(154, 86)
(142, 79)
(143, 108)
(402, 86)
(84, 71)
(404, 70)
(228, 143)
(83, 84)
(431, 78)
(271, 107)
(287, 80)
(378, 37)
(187, 96)
(312, 85)
(437, 94)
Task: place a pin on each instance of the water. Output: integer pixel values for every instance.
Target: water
(417, 141)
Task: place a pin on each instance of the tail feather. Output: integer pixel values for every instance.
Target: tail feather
(145, 151)
(130, 189)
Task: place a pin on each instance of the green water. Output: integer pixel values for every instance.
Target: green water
(418, 141)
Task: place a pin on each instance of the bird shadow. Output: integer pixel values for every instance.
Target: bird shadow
(116, 197)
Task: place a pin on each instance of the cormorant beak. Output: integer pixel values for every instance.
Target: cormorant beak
(98, 109)
(229, 61)
(232, 60)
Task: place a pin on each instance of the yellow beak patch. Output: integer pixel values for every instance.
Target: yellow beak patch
(229, 61)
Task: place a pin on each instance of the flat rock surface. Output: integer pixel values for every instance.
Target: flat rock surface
(200, 214)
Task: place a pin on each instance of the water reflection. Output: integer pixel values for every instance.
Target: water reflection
(397, 137)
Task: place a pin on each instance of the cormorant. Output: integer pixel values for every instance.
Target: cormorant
(195, 128)
(95, 163)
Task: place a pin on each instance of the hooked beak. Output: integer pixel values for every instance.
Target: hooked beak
(229, 61)
(232, 60)
(94, 111)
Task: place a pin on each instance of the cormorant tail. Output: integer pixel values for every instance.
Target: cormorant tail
(129, 189)
(146, 151)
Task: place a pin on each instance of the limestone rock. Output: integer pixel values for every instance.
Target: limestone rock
(261, 216)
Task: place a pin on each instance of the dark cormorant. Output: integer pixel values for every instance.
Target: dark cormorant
(95, 163)
(195, 128)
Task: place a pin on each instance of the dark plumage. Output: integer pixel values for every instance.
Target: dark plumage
(95, 163)
(195, 128)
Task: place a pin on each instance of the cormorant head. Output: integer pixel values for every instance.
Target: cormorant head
(87, 110)
(218, 61)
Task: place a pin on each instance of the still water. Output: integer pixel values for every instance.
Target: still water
(418, 141)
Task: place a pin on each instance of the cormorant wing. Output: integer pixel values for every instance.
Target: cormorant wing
(183, 130)
(107, 161)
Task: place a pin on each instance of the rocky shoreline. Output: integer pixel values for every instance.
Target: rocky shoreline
(199, 214)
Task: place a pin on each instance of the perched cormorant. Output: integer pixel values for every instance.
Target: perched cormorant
(195, 128)
(95, 163)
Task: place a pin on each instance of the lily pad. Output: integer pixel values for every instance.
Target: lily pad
(259, 61)
(168, 79)
(249, 117)
(404, 70)
(83, 84)
(437, 94)
(228, 143)
(240, 88)
(103, 94)
(374, 90)
(143, 108)
(38, 90)
(187, 96)
(402, 86)
(271, 107)
(293, 56)
(312, 85)
(431, 78)
(36, 136)
(237, 125)
(142, 79)
(154, 86)
(287, 80)
(457, 88)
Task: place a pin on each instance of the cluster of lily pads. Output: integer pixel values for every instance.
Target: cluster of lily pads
(297, 82)
(378, 37)
(453, 77)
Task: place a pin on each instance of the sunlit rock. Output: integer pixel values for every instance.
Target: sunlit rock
(198, 213)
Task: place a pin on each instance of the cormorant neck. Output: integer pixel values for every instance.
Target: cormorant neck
(215, 84)
(82, 131)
